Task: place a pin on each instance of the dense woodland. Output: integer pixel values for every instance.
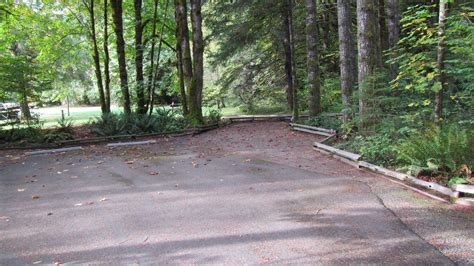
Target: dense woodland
(401, 72)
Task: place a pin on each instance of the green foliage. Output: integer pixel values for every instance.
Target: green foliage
(161, 121)
(214, 116)
(455, 180)
(377, 149)
(262, 109)
(56, 136)
(31, 132)
(324, 121)
(65, 125)
(437, 150)
(416, 55)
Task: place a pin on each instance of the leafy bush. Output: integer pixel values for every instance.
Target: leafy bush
(161, 121)
(214, 116)
(31, 132)
(437, 150)
(65, 125)
(378, 149)
(265, 109)
(329, 122)
(56, 136)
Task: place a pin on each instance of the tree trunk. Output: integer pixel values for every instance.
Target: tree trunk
(347, 54)
(139, 57)
(289, 14)
(288, 57)
(25, 109)
(96, 57)
(118, 22)
(369, 56)
(312, 59)
(383, 26)
(179, 60)
(183, 40)
(393, 17)
(325, 24)
(440, 60)
(152, 53)
(195, 111)
(106, 58)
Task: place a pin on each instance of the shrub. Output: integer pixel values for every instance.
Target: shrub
(65, 125)
(437, 150)
(161, 121)
(214, 116)
(56, 136)
(329, 122)
(377, 149)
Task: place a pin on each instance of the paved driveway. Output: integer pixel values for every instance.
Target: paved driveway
(247, 193)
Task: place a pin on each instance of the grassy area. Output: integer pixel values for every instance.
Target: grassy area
(83, 115)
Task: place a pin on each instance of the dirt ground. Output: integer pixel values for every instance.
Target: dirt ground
(252, 193)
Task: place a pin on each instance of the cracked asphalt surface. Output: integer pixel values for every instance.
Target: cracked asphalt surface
(250, 193)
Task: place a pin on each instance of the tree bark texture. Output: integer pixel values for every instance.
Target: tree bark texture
(195, 94)
(440, 60)
(120, 43)
(369, 56)
(152, 53)
(140, 89)
(393, 21)
(179, 59)
(288, 56)
(383, 26)
(347, 54)
(312, 59)
(96, 57)
(106, 58)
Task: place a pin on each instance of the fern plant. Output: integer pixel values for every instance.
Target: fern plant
(442, 149)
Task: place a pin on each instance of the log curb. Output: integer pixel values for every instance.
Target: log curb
(454, 193)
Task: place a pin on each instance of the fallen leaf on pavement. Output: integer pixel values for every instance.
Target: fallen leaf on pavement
(85, 203)
(35, 197)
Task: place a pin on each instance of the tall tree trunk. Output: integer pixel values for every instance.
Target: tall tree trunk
(195, 111)
(139, 58)
(312, 59)
(440, 60)
(291, 44)
(183, 40)
(393, 17)
(106, 58)
(288, 56)
(152, 53)
(25, 109)
(96, 57)
(347, 54)
(369, 56)
(157, 70)
(383, 26)
(118, 22)
(179, 59)
(325, 23)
